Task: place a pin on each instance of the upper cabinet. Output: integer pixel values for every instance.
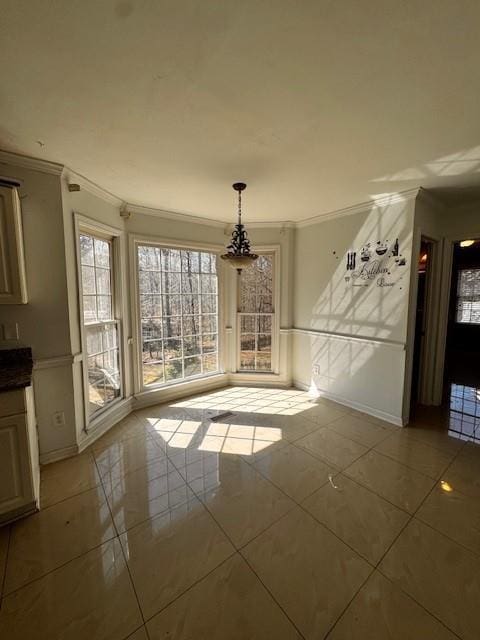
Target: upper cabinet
(13, 288)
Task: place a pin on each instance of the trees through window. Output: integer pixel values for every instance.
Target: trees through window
(178, 292)
(100, 325)
(256, 313)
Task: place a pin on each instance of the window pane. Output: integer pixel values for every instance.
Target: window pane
(89, 309)
(263, 361)
(188, 328)
(208, 263)
(264, 324)
(190, 283)
(210, 362)
(170, 260)
(208, 284)
(149, 282)
(172, 348)
(256, 299)
(172, 305)
(152, 351)
(153, 373)
(150, 306)
(191, 346)
(247, 342)
(468, 296)
(209, 323)
(152, 329)
(103, 281)
(264, 342)
(191, 325)
(86, 250)
(209, 342)
(149, 258)
(247, 324)
(102, 253)
(101, 340)
(209, 304)
(191, 304)
(171, 282)
(193, 366)
(247, 360)
(190, 261)
(172, 326)
(173, 370)
(104, 307)
(103, 379)
(88, 280)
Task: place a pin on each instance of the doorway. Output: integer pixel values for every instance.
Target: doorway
(462, 352)
(424, 270)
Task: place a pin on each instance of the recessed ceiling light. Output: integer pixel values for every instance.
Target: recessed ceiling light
(467, 243)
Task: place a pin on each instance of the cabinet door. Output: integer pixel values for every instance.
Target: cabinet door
(13, 288)
(15, 482)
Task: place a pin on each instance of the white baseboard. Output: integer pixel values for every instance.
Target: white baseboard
(175, 392)
(376, 413)
(59, 454)
(120, 411)
(259, 380)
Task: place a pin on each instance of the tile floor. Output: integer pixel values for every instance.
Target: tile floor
(285, 518)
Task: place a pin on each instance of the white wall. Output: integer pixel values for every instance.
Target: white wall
(349, 341)
(43, 322)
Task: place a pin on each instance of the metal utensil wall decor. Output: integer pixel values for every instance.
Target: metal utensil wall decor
(378, 263)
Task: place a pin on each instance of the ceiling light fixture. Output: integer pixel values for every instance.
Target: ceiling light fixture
(238, 251)
(466, 243)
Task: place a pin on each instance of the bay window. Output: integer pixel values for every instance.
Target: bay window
(178, 305)
(256, 314)
(100, 326)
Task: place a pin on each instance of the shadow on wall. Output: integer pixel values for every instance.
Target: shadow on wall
(364, 303)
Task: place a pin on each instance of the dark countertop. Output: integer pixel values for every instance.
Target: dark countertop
(15, 368)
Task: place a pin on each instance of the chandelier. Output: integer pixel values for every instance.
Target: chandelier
(238, 251)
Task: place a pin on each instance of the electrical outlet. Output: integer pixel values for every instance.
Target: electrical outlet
(316, 370)
(58, 419)
(10, 331)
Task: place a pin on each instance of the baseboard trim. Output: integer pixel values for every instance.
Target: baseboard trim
(21, 512)
(119, 412)
(376, 413)
(175, 392)
(59, 454)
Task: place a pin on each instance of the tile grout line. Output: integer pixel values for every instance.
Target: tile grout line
(411, 518)
(123, 552)
(376, 566)
(238, 549)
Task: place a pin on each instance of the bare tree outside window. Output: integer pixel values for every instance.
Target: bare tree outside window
(178, 312)
(256, 309)
(100, 325)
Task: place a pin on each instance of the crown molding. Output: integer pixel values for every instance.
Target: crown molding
(432, 200)
(173, 215)
(27, 162)
(382, 201)
(71, 176)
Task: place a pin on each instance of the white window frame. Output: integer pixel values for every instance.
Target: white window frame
(168, 243)
(458, 297)
(273, 250)
(88, 226)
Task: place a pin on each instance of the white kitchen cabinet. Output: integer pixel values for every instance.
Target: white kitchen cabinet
(19, 461)
(13, 287)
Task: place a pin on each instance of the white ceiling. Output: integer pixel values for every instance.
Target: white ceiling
(316, 105)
